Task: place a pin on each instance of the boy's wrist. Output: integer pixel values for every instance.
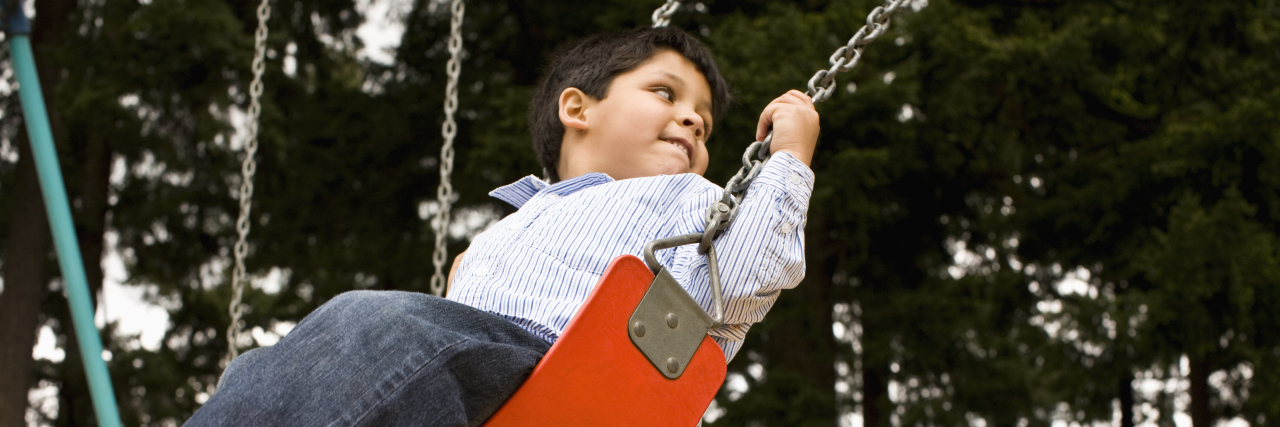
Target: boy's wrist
(803, 156)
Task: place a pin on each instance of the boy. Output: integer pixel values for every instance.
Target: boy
(620, 125)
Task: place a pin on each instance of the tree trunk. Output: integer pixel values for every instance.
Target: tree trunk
(75, 402)
(25, 278)
(93, 156)
(1126, 399)
(90, 227)
(876, 358)
(27, 250)
(875, 393)
(1199, 379)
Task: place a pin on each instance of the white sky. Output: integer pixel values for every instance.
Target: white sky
(382, 29)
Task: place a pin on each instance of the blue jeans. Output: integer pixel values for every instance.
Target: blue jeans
(378, 359)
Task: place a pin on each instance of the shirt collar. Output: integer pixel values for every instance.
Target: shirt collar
(518, 193)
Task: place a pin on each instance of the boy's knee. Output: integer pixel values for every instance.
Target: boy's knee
(241, 363)
(371, 307)
(350, 299)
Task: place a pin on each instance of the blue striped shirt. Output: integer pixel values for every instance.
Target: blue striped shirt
(536, 266)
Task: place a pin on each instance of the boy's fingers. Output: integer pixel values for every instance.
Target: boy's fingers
(766, 118)
(799, 98)
(766, 121)
(803, 97)
(792, 97)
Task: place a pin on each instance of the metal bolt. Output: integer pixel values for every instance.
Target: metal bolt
(673, 365)
(638, 329)
(672, 320)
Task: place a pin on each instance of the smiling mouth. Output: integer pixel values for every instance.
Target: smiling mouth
(682, 145)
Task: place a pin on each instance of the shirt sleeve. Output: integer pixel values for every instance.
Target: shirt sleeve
(760, 254)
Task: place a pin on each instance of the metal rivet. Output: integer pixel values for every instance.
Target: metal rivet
(673, 365)
(638, 328)
(672, 320)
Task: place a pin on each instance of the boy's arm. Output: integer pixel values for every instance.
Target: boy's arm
(453, 270)
(760, 254)
(763, 250)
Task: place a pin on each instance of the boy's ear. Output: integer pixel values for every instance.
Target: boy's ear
(573, 108)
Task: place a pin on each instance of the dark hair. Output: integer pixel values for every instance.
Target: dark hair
(591, 65)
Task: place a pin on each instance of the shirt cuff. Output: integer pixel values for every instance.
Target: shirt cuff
(788, 175)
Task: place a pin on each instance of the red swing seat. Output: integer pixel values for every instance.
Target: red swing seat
(595, 375)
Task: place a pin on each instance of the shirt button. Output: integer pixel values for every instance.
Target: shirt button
(481, 269)
(796, 179)
(786, 228)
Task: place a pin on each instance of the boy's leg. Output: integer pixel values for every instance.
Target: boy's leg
(378, 359)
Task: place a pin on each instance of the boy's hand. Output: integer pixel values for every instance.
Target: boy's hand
(795, 125)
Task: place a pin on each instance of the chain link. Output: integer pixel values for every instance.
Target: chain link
(247, 169)
(821, 86)
(444, 194)
(823, 83)
(662, 16)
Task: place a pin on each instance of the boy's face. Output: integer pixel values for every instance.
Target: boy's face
(654, 120)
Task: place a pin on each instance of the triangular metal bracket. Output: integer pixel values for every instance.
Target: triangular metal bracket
(668, 325)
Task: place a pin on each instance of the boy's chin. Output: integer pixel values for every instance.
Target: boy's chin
(669, 171)
(654, 170)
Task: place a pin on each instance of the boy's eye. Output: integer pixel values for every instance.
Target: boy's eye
(665, 93)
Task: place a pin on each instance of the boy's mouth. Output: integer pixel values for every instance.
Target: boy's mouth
(683, 145)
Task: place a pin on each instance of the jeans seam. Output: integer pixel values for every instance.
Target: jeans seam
(368, 410)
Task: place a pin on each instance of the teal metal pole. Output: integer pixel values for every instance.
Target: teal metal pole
(64, 233)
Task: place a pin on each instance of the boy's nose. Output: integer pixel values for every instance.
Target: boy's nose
(695, 124)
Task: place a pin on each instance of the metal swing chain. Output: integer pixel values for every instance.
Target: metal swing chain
(847, 56)
(662, 16)
(722, 213)
(444, 194)
(821, 86)
(247, 170)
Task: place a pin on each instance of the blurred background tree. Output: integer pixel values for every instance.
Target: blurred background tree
(1027, 212)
